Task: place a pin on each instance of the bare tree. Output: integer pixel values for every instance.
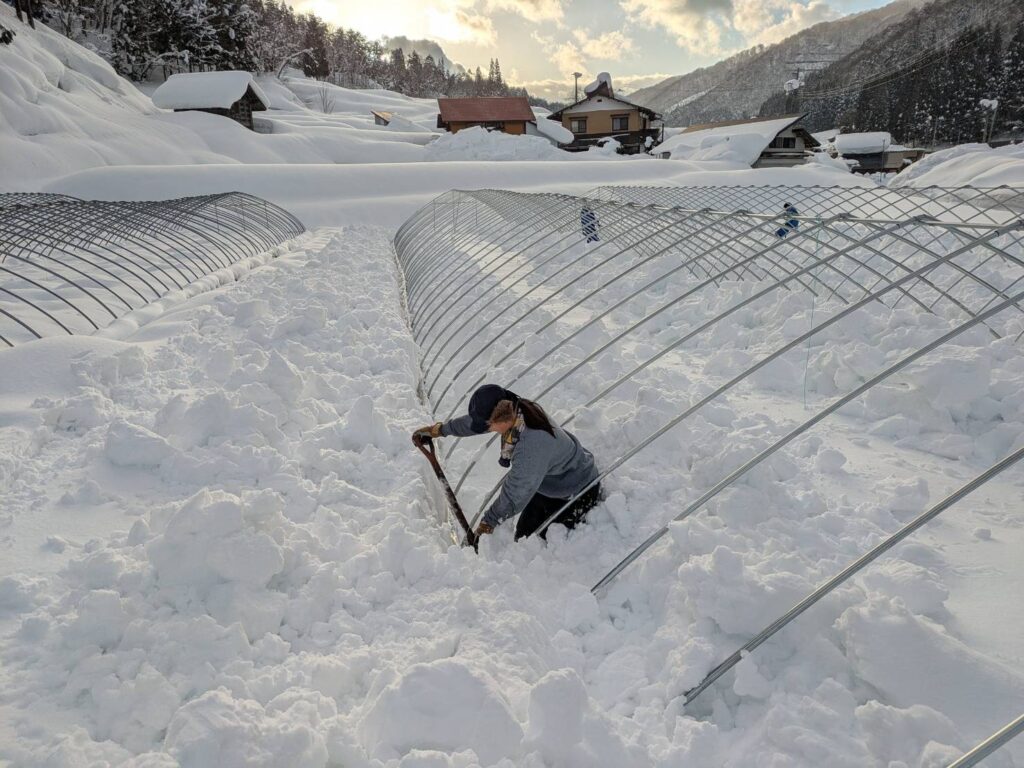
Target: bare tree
(325, 98)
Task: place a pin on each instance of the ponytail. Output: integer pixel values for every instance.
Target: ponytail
(534, 416)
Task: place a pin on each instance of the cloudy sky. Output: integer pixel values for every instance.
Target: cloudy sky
(541, 42)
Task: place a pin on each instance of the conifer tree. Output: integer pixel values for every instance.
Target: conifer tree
(131, 40)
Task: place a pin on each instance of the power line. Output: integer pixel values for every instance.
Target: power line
(874, 81)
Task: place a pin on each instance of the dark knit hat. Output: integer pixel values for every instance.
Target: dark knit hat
(481, 405)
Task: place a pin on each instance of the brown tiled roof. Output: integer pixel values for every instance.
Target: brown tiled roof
(643, 110)
(485, 109)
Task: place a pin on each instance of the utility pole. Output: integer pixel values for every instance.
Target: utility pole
(576, 86)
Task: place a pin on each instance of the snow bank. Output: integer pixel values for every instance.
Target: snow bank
(976, 165)
(478, 143)
(325, 195)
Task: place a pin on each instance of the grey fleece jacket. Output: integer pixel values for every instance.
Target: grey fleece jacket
(557, 466)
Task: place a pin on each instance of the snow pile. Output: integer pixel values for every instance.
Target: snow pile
(551, 129)
(284, 593)
(478, 143)
(976, 165)
(206, 90)
(357, 103)
(602, 79)
(740, 144)
(281, 590)
(822, 160)
(63, 109)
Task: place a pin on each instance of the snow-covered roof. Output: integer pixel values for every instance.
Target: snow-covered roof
(206, 90)
(598, 104)
(740, 141)
(863, 143)
(826, 137)
(557, 132)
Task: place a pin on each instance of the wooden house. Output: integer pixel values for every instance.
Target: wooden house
(602, 115)
(230, 94)
(509, 114)
(873, 152)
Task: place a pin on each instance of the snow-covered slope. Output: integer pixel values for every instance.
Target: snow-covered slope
(63, 109)
(736, 87)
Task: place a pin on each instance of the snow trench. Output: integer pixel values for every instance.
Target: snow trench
(286, 592)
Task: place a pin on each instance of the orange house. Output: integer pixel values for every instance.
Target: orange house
(501, 113)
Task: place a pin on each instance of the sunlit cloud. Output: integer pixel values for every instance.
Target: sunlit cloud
(723, 26)
(610, 46)
(462, 21)
(561, 88)
(454, 21)
(578, 53)
(770, 21)
(531, 10)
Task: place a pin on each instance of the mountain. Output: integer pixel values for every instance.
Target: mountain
(923, 78)
(424, 48)
(736, 87)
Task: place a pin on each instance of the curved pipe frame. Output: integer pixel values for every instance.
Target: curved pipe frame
(75, 265)
(955, 255)
(848, 261)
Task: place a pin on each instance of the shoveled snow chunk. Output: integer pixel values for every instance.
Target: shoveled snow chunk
(441, 705)
(130, 445)
(557, 706)
(218, 729)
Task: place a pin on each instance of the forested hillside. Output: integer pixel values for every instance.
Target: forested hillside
(949, 72)
(143, 38)
(736, 87)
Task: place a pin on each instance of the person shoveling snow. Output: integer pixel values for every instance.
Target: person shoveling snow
(547, 465)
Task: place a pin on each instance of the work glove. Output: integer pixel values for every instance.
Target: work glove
(426, 433)
(484, 528)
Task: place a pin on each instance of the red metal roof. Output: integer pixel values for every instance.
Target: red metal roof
(485, 109)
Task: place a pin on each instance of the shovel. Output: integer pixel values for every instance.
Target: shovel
(426, 446)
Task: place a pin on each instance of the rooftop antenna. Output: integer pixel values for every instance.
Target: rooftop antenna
(576, 86)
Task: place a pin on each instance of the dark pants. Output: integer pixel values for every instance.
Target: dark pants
(541, 507)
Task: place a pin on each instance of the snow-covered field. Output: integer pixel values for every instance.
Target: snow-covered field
(218, 546)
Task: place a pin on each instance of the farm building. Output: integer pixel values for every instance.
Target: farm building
(509, 114)
(873, 152)
(777, 142)
(231, 94)
(602, 115)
